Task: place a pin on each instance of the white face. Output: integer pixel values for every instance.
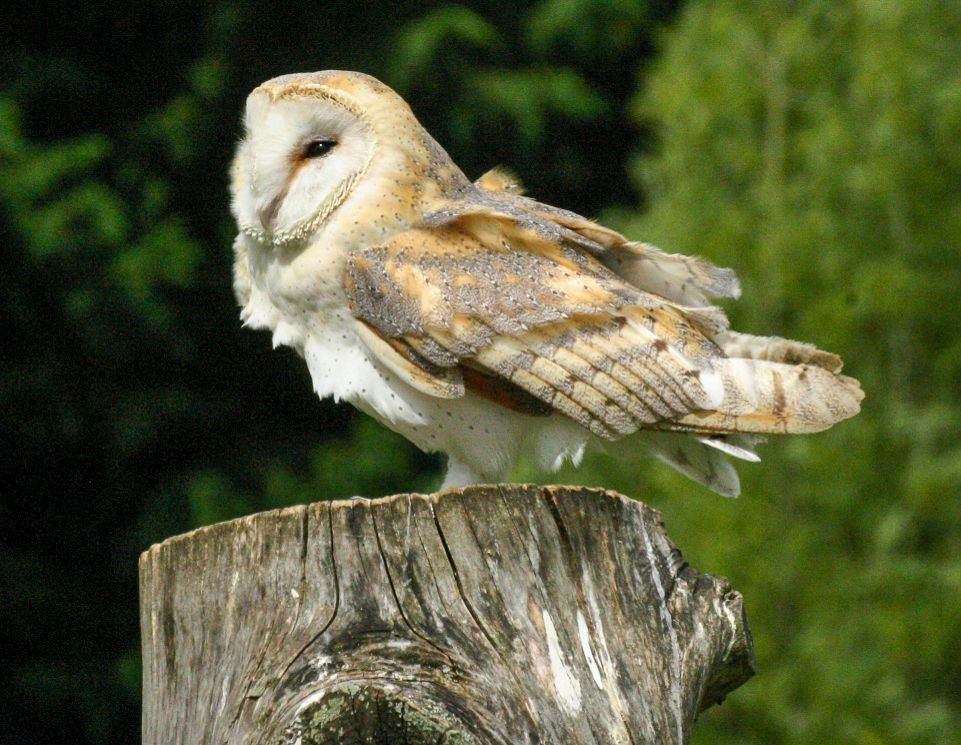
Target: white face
(297, 161)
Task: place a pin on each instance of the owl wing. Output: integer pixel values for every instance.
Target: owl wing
(535, 324)
(686, 280)
(514, 307)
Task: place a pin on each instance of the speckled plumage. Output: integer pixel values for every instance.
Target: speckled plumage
(482, 323)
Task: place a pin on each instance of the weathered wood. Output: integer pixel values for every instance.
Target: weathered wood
(494, 614)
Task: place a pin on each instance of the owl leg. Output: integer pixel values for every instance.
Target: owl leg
(459, 474)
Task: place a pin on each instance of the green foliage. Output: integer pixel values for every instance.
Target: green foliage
(542, 89)
(813, 146)
(449, 27)
(589, 31)
(529, 97)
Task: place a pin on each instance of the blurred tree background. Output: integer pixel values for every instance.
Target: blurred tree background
(813, 145)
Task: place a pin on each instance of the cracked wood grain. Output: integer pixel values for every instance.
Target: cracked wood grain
(492, 615)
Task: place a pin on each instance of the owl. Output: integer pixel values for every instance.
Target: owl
(484, 324)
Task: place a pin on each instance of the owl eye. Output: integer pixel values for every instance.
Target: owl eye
(317, 148)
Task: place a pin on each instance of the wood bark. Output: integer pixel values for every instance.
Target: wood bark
(487, 615)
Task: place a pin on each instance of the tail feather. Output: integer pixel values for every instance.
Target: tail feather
(738, 446)
(693, 458)
(774, 397)
(775, 349)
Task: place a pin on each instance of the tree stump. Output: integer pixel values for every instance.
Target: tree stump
(491, 614)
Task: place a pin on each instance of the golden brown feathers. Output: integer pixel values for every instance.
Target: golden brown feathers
(508, 288)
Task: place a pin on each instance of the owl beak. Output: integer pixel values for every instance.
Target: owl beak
(269, 213)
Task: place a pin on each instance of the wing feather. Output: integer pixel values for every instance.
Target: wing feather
(526, 298)
(450, 297)
(410, 366)
(686, 280)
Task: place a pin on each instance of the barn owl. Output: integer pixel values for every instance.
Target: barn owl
(479, 322)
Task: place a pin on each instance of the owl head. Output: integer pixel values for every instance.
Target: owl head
(311, 140)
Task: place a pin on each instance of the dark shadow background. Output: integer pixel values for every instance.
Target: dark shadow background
(813, 146)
